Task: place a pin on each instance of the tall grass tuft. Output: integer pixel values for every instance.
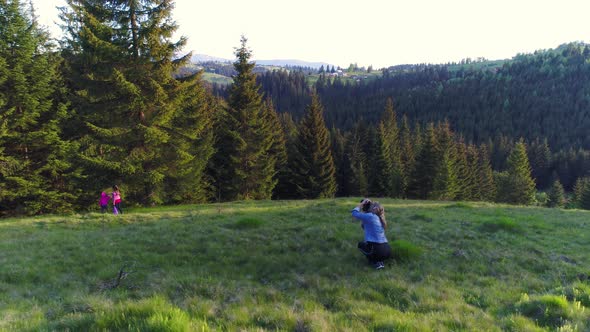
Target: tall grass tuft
(549, 310)
(505, 224)
(248, 223)
(151, 314)
(404, 251)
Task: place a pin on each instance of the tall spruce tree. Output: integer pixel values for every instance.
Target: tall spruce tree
(540, 159)
(387, 177)
(277, 151)
(486, 189)
(357, 159)
(556, 195)
(579, 187)
(426, 166)
(35, 167)
(585, 198)
(245, 163)
(139, 124)
(285, 186)
(446, 181)
(315, 177)
(341, 163)
(407, 153)
(518, 186)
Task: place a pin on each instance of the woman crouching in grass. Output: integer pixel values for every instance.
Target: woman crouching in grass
(375, 246)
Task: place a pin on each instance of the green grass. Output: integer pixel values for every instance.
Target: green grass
(216, 78)
(294, 266)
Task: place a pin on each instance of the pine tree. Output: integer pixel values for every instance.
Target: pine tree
(278, 148)
(556, 195)
(426, 166)
(486, 189)
(540, 158)
(518, 187)
(388, 171)
(285, 187)
(341, 162)
(35, 163)
(245, 162)
(139, 123)
(585, 198)
(467, 171)
(578, 190)
(315, 177)
(357, 160)
(406, 153)
(446, 182)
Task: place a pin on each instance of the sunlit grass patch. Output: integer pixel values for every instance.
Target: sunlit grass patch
(151, 314)
(550, 310)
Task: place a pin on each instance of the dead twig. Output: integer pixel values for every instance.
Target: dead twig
(124, 271)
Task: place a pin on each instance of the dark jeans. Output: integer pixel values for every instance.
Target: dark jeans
(375, 252)
(118, 206)
(103, 208)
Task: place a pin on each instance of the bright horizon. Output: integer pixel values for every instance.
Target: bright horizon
(372, 32)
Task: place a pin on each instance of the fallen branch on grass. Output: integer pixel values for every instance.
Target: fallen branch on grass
(116, 282)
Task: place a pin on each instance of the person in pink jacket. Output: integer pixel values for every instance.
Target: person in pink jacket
(104, 202)
(116, 196)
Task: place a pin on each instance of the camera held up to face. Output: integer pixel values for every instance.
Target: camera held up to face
(366, 205)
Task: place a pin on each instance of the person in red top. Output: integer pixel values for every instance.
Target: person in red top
(116, 195)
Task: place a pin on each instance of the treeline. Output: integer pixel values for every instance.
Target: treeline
(110, 107)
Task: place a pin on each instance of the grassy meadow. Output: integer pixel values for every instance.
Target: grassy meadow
(294, 266)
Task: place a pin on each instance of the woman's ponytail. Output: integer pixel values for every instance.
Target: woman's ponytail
(377, 209)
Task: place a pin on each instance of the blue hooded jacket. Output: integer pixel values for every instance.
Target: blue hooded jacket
(371, 224)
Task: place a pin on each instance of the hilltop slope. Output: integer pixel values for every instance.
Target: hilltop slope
(293, 265)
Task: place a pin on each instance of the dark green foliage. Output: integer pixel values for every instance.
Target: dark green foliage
(137, 125)
(387, 176)
(278, 147)
(585, 197)
(486, 188)
(315, 174)
(426, 166)
(407, 153)
(250, 142)
(285, 187)
(358, 160)
(35, 161)
(556, 195)
(578, 190)
(540, 158)
(446, 184)
(516, 186)
(548, 85)
(341, 163)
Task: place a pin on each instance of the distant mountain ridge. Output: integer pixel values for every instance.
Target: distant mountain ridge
(199, 58)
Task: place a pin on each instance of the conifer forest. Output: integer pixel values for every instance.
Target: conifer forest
(112, 103)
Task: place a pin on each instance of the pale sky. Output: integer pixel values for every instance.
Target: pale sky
(373, 32)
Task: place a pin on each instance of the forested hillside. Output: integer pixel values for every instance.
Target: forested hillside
(529, 96)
